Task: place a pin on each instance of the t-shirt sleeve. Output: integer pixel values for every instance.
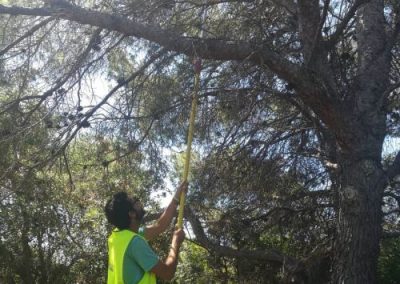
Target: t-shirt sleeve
(144, 256)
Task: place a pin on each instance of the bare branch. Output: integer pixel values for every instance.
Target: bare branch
(60, 82)
(27, 34)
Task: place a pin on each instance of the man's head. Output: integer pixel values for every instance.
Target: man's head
(121, 211)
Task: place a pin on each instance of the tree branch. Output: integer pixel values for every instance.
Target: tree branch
(271, 255)
(394, 169)
(204, 48)
(309, 22)
(310, 91)
(334, 38)
(27, 34)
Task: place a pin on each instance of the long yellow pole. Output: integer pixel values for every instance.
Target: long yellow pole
(197, 69)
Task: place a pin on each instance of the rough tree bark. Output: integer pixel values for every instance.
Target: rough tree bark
(362, 179)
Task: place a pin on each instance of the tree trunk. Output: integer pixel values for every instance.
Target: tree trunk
(361, 178)
(358, 222)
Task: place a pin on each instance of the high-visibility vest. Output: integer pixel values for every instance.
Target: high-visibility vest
(118, 242)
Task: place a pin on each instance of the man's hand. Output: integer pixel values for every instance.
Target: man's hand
(178, 237)
(181, 188)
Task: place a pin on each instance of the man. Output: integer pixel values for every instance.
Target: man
(131, 260)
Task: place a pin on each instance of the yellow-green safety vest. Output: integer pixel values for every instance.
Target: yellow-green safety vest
(117, 244)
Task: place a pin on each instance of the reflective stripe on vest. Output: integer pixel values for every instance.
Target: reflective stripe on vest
(118, 242)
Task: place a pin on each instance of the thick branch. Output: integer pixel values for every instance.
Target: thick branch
(309, 22)
(271, 255)
(204, 48)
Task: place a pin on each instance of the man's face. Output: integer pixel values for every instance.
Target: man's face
(138, 210)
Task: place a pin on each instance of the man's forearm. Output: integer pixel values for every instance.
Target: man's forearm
(166, 269)
(164, 221)
(172, 259)
(169, 213)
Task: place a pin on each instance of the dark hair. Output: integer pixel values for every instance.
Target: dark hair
(117, 210)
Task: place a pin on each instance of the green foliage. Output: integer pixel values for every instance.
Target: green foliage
(195, 267)
(389, 261)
